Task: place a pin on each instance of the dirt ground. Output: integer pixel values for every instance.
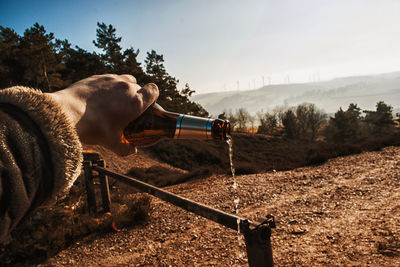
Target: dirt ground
(345, 212)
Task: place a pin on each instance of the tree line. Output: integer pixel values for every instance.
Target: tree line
(37, 59)
(307, 122)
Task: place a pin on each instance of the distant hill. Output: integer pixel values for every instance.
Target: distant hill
(366, 91)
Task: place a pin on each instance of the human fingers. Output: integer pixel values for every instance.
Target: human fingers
(128, 78)
(147, 95)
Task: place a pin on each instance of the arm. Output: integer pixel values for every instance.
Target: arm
(101, 106)
(41, 134)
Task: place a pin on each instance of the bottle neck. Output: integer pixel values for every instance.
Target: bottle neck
(190, 127)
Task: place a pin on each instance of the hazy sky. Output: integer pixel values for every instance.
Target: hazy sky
(214, 44)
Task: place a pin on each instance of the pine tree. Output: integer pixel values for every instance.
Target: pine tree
(108, 41)
(289, 121)
(10, 68)
(114, 59)
(170, 97)
(345, 126)
(381, 120)
(339, 126)
(79, 63)
(131, 65)
(156, 73)
(32, 60)
(41, 59)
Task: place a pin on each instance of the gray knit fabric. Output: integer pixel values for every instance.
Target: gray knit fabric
(26, 179)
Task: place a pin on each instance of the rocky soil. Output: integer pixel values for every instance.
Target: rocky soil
(344, 212)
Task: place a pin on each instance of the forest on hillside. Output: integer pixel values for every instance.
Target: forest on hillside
(308, 122)
(40, 60)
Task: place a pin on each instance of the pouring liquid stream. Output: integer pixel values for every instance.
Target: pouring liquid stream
(235, 194)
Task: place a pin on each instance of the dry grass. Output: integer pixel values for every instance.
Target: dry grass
(50, 230)
(255, 153)
(161, 176)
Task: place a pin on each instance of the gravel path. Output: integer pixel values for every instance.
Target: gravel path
(344, 212)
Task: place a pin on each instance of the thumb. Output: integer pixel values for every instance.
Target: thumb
(148, 94)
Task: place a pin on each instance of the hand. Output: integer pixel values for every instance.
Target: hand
(101, 106)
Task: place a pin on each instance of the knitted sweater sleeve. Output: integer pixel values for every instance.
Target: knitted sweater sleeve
(40, 154)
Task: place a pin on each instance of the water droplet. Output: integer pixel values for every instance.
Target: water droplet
(230, 144)
(235, 185)
(236, 198)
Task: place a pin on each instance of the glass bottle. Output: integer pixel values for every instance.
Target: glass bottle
(156, 124)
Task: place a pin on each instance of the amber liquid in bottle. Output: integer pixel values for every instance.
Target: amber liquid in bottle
(156, 124)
